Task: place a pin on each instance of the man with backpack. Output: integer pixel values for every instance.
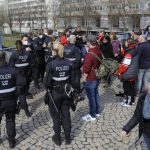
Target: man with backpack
(91, 83)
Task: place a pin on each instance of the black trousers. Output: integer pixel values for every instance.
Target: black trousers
(62, 117)
(22, 90)
(8, 108)
(38, 72)
(129, 89)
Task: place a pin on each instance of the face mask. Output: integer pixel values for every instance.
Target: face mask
(46, 33)
(41, 36)
(25, 42)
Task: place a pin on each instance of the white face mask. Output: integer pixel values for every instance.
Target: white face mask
(46, 33)
(25, 42)
(41, 36)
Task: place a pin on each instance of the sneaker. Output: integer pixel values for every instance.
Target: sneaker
(29, 95)
(123, 101)
(89, 119)
(98, 115)
(86, 116)
(125, 105)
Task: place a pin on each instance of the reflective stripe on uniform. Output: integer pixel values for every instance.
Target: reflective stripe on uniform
(7, 90)
(71, 59)
(22, 65)
(60, 78)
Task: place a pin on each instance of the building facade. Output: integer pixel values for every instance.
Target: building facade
(112, 15)
(116, 15)
(27, 15)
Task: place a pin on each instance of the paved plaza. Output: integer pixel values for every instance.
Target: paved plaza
(104, 134)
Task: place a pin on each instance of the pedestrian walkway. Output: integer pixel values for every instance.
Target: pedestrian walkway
(104, 134)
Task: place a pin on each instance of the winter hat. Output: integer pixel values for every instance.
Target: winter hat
(92, 39)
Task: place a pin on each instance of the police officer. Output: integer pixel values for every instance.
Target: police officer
(73, 53)
(8, 97)
(58, 82)
(48, 46)
(21, 59)
(28, 46)
(39, 64)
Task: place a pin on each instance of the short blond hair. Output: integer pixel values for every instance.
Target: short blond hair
(59, 48)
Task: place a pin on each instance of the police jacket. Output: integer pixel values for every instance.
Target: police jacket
(58, 72)
(73, 53)
(8, 79)
(47, 49)
(38, 46)
(21, 60)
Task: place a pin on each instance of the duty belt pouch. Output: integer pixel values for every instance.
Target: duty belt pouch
(69, 90)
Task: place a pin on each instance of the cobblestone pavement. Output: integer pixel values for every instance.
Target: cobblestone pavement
(104, 134)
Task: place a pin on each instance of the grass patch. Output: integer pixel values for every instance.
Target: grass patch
(7, 43)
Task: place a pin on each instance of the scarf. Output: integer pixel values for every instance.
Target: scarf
(146, 109)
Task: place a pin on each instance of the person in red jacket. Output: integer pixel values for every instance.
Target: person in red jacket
(128, 84)
(90, 81)
(63, 39)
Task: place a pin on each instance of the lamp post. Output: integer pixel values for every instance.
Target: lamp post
(142, 13)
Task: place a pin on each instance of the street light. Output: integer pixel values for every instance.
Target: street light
(142, 12)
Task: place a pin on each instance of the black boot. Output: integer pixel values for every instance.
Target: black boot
(120, 94)
(28, 114)
(56, 140)
(29, 95)
(36, 84)
(67, 139)
(12, 143)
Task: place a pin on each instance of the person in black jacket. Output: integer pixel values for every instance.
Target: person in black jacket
(107, 48)
(143, 50)
(28, 46)
(79, 37)
(8, 97)
(21, 60)
(73, 54)
(39, 64)
(141, 116)
(58, 84)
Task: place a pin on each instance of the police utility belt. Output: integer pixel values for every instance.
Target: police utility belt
(67, 88)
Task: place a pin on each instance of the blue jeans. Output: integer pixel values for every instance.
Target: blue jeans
(143, 76)
(91, 88)
(147, 140)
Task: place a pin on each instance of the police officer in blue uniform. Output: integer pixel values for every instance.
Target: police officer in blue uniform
(58, 83)
(48, 41)
(8, 97)
(28, 46)
(21, 60)
(73, 53)
(39, 64)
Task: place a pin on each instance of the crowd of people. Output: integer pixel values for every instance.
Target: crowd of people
(62, 63)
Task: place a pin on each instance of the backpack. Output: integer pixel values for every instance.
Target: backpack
(133, 69)
(108, 67)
